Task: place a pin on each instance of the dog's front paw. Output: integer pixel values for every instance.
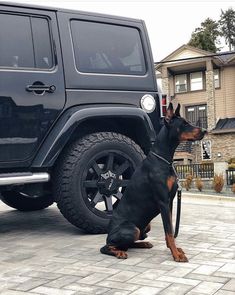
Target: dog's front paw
(180, 257)
(180, 250)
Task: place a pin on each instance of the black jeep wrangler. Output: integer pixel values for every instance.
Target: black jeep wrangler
(79, 110)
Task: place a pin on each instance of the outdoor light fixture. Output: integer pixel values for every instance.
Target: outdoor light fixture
(148, 103)
(219, 155)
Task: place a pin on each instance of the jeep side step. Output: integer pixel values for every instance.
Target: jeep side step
(23, 178)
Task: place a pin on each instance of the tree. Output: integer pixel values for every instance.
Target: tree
(227, 27)
(206, 36)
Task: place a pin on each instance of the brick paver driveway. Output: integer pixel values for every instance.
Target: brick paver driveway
(43, 254)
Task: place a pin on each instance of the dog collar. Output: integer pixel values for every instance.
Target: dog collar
(172, 165)
(163, 159)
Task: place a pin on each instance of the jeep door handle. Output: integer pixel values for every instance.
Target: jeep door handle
(41, 88)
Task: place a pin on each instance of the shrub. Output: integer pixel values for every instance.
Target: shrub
(231, 163)
(218, 182)
(233, 188)
(199, 183)
(188, 181)
(231, 166)
(231, 160)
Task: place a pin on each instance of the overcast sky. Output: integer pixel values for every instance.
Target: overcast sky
(169, 23)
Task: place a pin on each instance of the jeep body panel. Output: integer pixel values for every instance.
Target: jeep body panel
(73, 117)
(26, 116)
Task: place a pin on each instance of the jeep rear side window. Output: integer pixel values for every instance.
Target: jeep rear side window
(107, 49)
(24, 42)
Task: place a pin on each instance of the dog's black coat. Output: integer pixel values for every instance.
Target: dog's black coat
(152, 188)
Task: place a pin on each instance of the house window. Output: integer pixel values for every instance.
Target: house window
(216, 78)
(197, 115)
(180, 83)
(196, 82)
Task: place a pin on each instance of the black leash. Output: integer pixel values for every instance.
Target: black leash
(179, 194)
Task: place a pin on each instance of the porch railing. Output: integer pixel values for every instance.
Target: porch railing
(197, 170)
(230, 177)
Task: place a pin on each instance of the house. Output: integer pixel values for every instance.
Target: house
(204, 85)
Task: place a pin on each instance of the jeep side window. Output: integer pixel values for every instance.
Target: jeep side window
(42, 43)
(107, 48)
(24, 42)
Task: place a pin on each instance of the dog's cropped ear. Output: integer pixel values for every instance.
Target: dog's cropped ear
(177, 111)
(169, 113)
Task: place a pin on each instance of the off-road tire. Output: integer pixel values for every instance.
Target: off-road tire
(22, 202)
(68, 173)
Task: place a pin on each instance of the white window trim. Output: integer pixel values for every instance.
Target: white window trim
(216, 87)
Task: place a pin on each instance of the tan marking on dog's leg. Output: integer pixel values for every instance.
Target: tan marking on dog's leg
(177, 253)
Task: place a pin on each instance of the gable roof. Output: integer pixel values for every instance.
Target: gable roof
(195, 51)
(186, 52)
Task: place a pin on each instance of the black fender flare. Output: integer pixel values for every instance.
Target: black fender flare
(70, 120)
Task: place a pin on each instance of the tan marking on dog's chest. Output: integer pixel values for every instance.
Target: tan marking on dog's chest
(170, 182)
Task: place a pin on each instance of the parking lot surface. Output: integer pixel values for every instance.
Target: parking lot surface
(41, 253)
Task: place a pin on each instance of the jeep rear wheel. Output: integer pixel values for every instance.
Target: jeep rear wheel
(91, 176)
(25, 202)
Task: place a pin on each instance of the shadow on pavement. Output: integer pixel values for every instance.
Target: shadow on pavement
(43, 221)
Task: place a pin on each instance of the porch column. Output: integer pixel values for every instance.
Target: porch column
(165, 82)
(210, 93)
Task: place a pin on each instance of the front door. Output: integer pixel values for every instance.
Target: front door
(31, 81)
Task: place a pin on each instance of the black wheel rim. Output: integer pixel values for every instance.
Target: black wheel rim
(104, 181)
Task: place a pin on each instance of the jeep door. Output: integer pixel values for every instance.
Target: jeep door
(31, 81)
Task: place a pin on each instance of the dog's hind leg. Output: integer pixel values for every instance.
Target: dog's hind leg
(142, 236)
(143, 233)
(113, 251)
(120, 239)
(142, 245)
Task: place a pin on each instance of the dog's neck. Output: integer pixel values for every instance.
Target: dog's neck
(164, 146)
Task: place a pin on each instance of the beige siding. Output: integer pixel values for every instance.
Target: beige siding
(224, 96)
(186, 54)
(190, 98)
(229, 81)
(220, 98)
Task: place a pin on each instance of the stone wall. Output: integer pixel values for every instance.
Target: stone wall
(210, 95)
(222, 148)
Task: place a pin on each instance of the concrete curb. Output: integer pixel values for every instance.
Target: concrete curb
(208, 196)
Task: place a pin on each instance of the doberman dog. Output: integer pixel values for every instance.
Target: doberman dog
(151, 191)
